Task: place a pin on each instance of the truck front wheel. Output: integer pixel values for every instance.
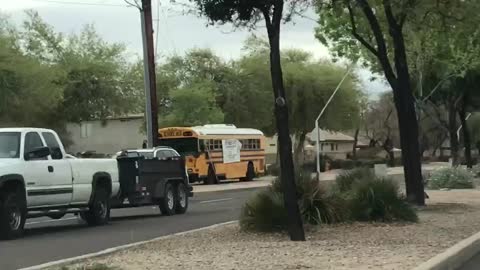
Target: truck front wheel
(13, 213)
(99, 210)
(167, 203)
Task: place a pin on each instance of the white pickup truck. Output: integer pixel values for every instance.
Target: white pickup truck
(37, 178)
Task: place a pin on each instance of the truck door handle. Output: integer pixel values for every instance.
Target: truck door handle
(50, 169)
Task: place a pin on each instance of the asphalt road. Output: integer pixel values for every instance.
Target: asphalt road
(473, 264)
(48, 240)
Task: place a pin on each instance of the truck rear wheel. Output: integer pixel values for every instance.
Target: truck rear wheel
(167, 203)
(99, 210)
(181, 198)
(13, 213)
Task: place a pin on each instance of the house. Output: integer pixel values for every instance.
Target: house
(107, 136)
(333, 144)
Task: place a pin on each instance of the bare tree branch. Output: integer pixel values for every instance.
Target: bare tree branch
(380, 40)
(356, 34)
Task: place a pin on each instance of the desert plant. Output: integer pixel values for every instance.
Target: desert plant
(264, 212)
(317, 204)
(345, 180)
(320, 206)
(379, 200)
(451, 177)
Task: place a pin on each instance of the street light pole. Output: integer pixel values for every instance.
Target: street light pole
(461, 126)
(317, 126)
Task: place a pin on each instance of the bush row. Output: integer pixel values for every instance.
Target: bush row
(357, 196)
(345, 164)
(452, 178)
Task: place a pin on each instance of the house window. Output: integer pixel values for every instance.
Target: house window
(85, 130)
(332, 146)
(336, 146)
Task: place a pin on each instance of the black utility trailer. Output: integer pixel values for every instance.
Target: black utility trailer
(153, 181)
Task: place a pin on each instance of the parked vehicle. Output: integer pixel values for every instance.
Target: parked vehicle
(153, 177)
(37, 178)
(202, 148)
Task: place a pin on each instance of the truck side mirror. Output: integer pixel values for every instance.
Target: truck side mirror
(37, 153)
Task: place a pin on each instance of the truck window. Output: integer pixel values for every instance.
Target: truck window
(53, 144)
(9, 144)
(32, 141)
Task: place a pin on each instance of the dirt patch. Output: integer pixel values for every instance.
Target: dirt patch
(449, 217)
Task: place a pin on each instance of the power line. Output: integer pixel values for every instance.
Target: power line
(80, 3)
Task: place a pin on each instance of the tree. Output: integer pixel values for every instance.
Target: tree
(28, 89)
(183, 113)
(249, 12)
(381, 125)
(379, 27)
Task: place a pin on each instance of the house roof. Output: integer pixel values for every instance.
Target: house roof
(326, 135)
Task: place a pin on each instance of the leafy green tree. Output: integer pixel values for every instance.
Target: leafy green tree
(193, 105)
(383, 28)
(28, 89)
(95, 76)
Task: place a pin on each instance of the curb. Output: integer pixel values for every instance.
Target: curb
(109, 251)
(454, 257)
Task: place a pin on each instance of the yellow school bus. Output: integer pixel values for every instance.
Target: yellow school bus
(206, 161)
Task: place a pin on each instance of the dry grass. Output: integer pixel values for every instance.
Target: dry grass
(450, 217)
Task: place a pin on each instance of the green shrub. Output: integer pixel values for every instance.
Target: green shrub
(379, 200)
(273, 170)
(319, 206)
(451, 177)
(264, 212)
(345, 164)
(345, 180)
(476, 170)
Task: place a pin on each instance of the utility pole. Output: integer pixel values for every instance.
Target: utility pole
(151, 108)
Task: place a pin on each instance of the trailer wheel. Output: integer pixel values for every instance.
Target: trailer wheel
(13, 214)
(167, 203)
(99, 210)
(181, 198)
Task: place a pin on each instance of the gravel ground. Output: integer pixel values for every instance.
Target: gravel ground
(449, 217)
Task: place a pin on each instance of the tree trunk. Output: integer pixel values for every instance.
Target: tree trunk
(299, 160)
(452, 131)
(355, 143)
(287, 173)
(408, 124)
(388, 147)
(466, 135)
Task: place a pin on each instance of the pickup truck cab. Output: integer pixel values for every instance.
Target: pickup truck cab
(38, 178)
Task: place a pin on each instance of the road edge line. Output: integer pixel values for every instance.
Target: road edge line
(116, 249)
(455, 256)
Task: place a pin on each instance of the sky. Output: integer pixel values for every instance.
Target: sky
(178, 30)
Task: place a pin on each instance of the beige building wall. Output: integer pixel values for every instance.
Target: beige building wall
(106, 137)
